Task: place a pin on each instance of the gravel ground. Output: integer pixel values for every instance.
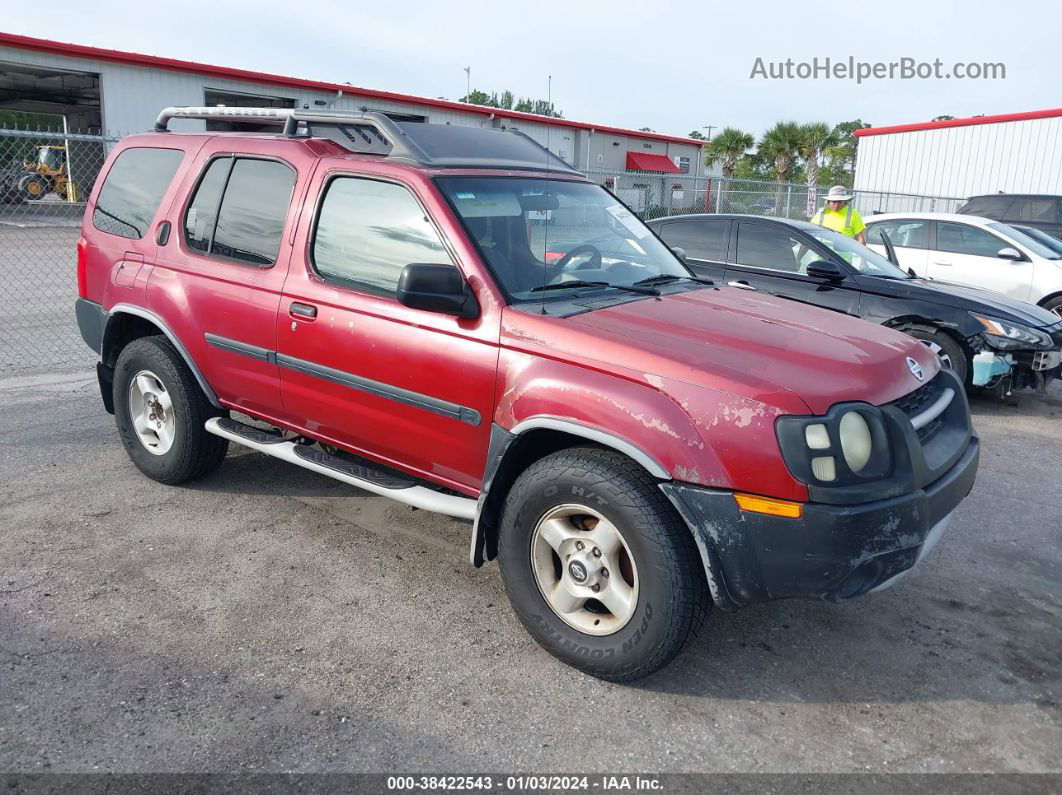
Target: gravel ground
(266, 619)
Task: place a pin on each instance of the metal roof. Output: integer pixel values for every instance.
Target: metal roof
(968, 122)
(155, 62)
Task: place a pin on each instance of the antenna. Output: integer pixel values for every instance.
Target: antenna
(545, 199)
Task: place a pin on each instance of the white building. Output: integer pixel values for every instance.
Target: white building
(120, 92)
(1014, 153)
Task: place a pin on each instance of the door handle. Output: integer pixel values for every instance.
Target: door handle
(946, 262)
(741, 285)
(303, 311)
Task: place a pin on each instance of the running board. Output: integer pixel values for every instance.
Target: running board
(374, 481)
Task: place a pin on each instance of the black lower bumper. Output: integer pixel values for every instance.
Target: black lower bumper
(833, 552)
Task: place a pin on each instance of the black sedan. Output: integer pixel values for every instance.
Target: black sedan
(989, 339)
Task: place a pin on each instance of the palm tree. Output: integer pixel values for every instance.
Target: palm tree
(814, 139)
(726, 148)
(780, 146)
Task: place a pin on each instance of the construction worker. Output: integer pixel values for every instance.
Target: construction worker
(839, 215)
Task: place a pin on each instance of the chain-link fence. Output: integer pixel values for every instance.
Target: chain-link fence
(653, 195)
(46, 176)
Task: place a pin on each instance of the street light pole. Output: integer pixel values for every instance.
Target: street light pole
(468, 82)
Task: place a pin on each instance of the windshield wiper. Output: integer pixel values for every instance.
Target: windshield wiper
(575, 283)
(667, 278)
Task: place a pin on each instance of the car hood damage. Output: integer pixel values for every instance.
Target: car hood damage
(794, 357)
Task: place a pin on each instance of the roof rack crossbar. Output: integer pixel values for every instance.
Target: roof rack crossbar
(289, 120)
(474, 147)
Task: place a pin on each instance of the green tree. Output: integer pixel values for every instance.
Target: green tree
(942, 118)
(780, 146)
(727, 148)
(842, 151)
(814, 138)
(646, 129)
(697, 135)
(477, 97)
(506, 101)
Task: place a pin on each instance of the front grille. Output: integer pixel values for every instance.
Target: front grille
(916, 402)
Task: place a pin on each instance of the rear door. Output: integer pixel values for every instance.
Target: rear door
(704, 240)
(968, 254)
(124, 212)
(221, 272)
(909, 237)
(1040, 213)
(406, 387)
(773, 259)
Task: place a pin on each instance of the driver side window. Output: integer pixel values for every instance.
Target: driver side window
(963, 239)
(768, 246)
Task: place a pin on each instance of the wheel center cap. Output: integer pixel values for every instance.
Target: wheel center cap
(577, 571)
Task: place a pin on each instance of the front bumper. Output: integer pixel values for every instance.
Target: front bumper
(833, 552)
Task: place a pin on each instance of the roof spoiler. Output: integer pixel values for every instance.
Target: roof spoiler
(373, 132)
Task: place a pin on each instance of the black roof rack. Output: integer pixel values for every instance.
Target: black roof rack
(372, 132)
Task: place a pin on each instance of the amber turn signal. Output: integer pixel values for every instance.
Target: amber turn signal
(771, 507)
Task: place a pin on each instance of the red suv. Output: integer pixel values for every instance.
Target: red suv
(379, 303)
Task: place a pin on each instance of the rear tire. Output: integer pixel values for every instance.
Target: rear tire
(951, 353)
(160, 412)
(638, 601)
(33, 188)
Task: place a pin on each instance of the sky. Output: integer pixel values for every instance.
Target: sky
(668, 65)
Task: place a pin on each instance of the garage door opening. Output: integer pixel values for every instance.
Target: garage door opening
(40, 97)
(233, 99)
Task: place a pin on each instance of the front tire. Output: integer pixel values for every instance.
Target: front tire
(160, 412)
(948, 350)
(1054, 306)
(598, 566)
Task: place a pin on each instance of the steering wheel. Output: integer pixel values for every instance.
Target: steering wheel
(594, 261)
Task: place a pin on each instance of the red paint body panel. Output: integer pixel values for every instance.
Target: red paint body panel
(695, 380)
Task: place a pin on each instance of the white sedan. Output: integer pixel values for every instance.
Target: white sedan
(967, 249)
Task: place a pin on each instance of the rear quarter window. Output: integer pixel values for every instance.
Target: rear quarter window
(988, 206)
(133, 189)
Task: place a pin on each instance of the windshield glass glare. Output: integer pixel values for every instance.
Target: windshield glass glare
(867, 262)
(536, 233)
(1031, 243)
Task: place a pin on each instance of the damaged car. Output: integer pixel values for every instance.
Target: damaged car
(990, 340)
(372, 300)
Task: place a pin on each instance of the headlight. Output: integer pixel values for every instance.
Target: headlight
(1011, 334)
(848, 445)
(856, 444)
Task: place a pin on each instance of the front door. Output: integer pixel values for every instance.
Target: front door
(771, 259)
(967, 254)
(407, 387)
(704, 240)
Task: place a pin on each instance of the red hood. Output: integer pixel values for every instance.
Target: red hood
(768, 349)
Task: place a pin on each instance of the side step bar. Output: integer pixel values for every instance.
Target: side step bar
(382, 483)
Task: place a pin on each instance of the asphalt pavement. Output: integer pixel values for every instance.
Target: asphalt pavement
(266, 619)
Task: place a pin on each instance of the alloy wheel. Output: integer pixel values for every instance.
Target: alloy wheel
(151, 412)
(584, 569)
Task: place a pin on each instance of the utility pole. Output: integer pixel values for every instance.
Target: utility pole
(709, 128)
(468, 82)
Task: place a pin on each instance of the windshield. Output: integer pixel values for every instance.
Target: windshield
(537, 233)
(867, 262)
(1031, 243)
(50, 157)
(1052, 243)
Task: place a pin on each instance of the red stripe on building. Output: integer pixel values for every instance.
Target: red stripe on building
(936, 125)
(172, 64)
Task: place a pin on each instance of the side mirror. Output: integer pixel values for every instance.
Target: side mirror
(824, 269)
(1009, 253)
(679, 252)
(436, 288)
